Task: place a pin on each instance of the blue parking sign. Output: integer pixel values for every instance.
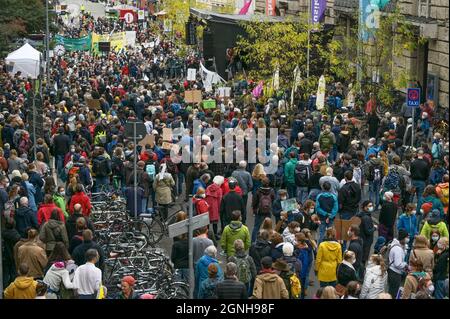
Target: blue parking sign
(413, 97)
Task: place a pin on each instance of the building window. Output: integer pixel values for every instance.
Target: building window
(423, 8)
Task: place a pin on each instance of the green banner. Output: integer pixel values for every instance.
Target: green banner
(209, 104)
(78, 44)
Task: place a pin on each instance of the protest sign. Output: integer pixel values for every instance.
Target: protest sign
(209, 104)
(191, 74)
(193, 96)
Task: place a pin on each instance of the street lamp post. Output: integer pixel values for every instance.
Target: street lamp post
(47, 45)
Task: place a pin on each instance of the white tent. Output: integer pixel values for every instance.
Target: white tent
(26, 60)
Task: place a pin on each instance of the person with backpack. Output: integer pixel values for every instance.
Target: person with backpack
(436, 148)
(269, 285)
(245, 182)
(53, 231)
(395, 256)
(290, 279)
(61, 145)
(429, 198)
(202, 266)
(163, 185)
(231, 287)
(367, 229)
(374, 175)
(25, 218)
(416, 280)
(233, 231)
(246, 269)
(208, 288)
(292, 261)
(303, 173)
(388, 215)
(423, 253)
(289, 175)
(420, 171)
(437, 172)
(262, 205)
(326, 208)
(102, 169)
(443, 193)
(349, 196)
(260, 248)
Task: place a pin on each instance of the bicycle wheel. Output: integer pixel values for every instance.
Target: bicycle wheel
(156, 230)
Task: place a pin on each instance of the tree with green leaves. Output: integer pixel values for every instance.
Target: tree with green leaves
(284, 44)
(19, 18)
(377, 57)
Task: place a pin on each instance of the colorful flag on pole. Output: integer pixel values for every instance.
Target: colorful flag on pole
(258, 90)
(318, 8)
(320, 100)
(245, 8)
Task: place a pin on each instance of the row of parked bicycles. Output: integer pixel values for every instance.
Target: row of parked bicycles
(130, 246)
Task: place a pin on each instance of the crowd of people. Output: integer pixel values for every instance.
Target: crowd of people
(397, 247)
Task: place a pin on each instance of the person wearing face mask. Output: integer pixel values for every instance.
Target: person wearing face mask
(356, 245)
(346, 272)
(417, 281)
(60, 200)
(276, 206)
(397, 264)
(307, 217)
(434, 238)
(408, 221)
(367, 228)
(290, 231)
(440, 271)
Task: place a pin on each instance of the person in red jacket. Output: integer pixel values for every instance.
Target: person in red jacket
(200, 204)
(46, 209)
(80, 198)
(226, 189)
(214, 198)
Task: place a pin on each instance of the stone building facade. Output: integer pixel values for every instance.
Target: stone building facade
(429, 64)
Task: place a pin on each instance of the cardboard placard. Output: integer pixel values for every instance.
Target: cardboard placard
(193, 96)
(93, 104)
(224, 91)
(166, 146)
(148, 139)
(209, 104)
(342, 227)
(167, 134)
(191, 74)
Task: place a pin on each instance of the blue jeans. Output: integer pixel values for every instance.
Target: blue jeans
(302, 194)
(291, 189)
(99, 182)
(313, 194)
(59, 163)
(374, 192)
(259, 218)
(180, 183)
(420, 187)
(323, 228)
(440, 292)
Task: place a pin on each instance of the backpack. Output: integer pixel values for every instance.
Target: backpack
(296, 286)
(393, 180)
(278, 177)
(101, 167)
(210, 291)
(9, 210)
(375, 173)
(243, 269)
(100, 139)
(385, 251)
(444, 193)
(151, 171)
(265, 203)
(302, 174)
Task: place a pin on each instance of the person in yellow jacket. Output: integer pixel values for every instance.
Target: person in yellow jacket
(328, 258)
(23, 287)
